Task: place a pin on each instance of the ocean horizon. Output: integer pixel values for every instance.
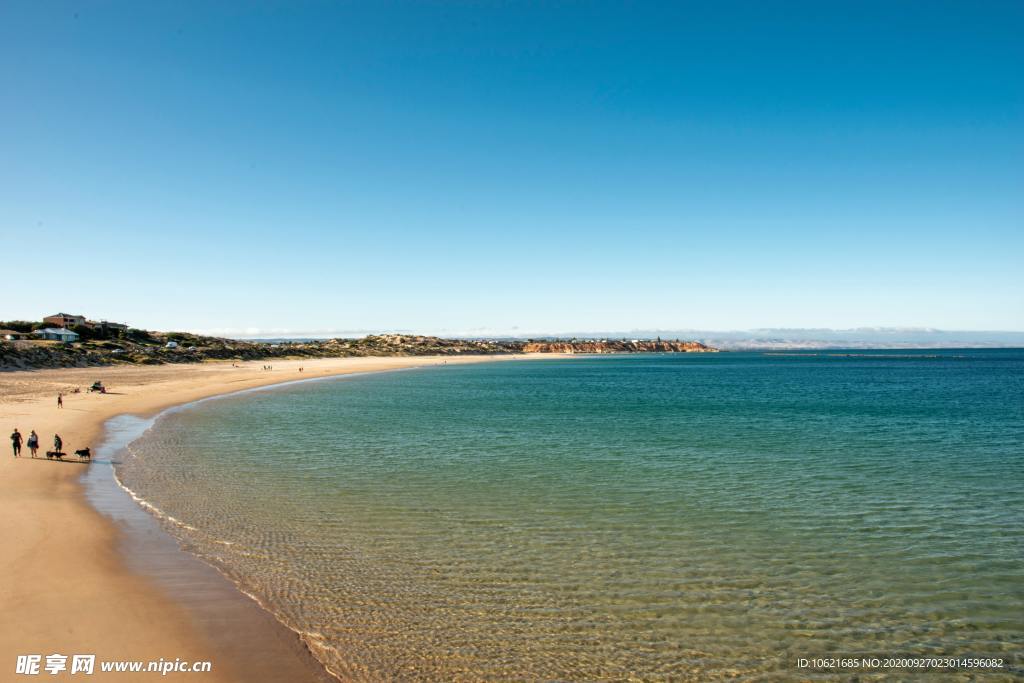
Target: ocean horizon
(652, 516)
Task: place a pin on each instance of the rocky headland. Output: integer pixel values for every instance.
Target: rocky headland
(615, 346)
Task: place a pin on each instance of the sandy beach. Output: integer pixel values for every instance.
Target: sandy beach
(66, 586)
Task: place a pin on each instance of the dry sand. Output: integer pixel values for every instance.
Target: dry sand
(64, 585)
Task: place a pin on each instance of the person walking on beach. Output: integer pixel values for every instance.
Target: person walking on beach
(16, 442)
(33, 442)
(58, 443)
(60, 400)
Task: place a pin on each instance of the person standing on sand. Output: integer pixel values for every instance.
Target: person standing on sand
(58, 443)
(60, 400)
(16, 442)
(33, 442)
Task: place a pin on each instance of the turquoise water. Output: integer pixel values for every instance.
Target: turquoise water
(650, 517)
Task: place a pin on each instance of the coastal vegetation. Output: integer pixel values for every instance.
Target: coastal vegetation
(97, 347)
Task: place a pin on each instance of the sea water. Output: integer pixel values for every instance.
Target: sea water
(691, 516)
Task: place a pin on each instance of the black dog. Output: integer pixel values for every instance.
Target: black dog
(55, 454)
(84, 453)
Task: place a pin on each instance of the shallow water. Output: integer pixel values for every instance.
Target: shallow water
(655, 516)
(245, 640)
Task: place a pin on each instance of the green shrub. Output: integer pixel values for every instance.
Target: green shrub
(23, 326)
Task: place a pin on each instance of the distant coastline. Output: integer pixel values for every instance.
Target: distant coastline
(732, 339)
(141, 347)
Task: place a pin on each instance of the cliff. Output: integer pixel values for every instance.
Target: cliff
(616, 346)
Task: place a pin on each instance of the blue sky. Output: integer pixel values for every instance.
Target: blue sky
(501, 167)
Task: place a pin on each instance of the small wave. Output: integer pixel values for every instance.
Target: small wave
(153, 509)
(313, 641)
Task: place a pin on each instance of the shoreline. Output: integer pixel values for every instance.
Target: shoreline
(235, 623)
(70, 585)
(182, 573)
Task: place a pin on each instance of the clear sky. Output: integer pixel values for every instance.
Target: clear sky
(484, 166)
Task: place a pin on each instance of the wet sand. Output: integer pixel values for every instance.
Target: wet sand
(112, 583)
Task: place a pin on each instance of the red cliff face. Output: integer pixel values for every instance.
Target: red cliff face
(617, 346)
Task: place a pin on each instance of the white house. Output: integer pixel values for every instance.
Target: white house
(172, 344)
(57, 334)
